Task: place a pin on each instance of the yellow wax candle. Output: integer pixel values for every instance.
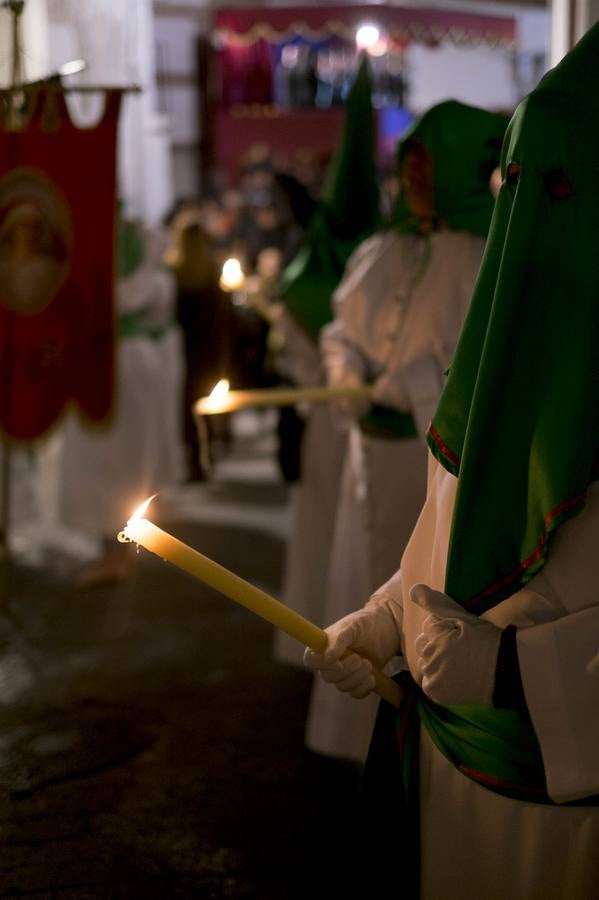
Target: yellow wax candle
(141, 531)
(222, 400)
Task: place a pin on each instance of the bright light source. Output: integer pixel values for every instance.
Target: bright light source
(141, 510)
(367, 36)
(232, 277)
(219, 391)
(72, 67)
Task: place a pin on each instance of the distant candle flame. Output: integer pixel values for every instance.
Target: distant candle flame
(232, 276)
(219, 392)
(141, 510)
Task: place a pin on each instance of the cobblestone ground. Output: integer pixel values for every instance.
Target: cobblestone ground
(149, 745)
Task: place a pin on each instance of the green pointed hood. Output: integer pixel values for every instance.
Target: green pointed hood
(464, 143)
(348, 212)
(518, 421)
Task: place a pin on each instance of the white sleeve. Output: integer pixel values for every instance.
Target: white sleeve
(423, 379)
(299, 356)
(563, 700)
(562, 693)
(412, 387)
(343, 362)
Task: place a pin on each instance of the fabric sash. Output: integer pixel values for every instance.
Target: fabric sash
(384, 422)
(497, 748)
(133, 325)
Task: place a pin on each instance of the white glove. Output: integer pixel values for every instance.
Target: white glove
(389, 390)
(457, 651)
(372, 633)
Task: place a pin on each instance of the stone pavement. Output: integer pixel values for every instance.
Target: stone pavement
(149, 745)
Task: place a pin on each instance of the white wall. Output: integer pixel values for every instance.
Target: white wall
(481, 76)
(493, 77)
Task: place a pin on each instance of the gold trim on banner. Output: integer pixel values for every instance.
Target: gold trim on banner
(335, 28)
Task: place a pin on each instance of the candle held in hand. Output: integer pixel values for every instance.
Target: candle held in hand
(141, 531)
(222, 400)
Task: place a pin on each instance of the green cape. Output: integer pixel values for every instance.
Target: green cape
(347, 213)
(518, 421)
(464, 143)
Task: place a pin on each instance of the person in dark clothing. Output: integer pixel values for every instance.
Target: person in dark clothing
(204, 313)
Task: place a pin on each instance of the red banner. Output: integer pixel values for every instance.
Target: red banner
(57, 220)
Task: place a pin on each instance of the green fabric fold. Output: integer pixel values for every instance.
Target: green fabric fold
(347, 214)
(464, 142)
(386, 423)
(518, 421)
(134, 325)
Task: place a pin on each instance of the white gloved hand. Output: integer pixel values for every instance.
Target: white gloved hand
(372, 633)
(457, 651)
(389, 390)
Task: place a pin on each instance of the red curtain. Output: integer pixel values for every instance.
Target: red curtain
(57, 220)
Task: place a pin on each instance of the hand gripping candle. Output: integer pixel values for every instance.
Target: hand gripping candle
(143, 532)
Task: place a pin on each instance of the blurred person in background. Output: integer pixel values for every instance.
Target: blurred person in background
(273, 215)
(296, 208)
(204, 314)
(219, 216)
(269, 226)
(398, 314)
(309, 169)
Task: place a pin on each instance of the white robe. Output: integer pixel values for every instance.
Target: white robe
(399, 311)
(477, 844)
(313, 498)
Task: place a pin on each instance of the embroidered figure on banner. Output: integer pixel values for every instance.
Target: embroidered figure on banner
(35, 240)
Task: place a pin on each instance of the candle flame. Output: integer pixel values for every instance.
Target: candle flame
(141, 510)
(232, 276)
(219, 392)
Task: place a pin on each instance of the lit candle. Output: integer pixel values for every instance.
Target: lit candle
(232, 276)
(141, 531)
(222, 400)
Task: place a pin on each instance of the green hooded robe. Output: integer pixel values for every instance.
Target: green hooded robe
(464, 145)
(518, 421)
(346, 215)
